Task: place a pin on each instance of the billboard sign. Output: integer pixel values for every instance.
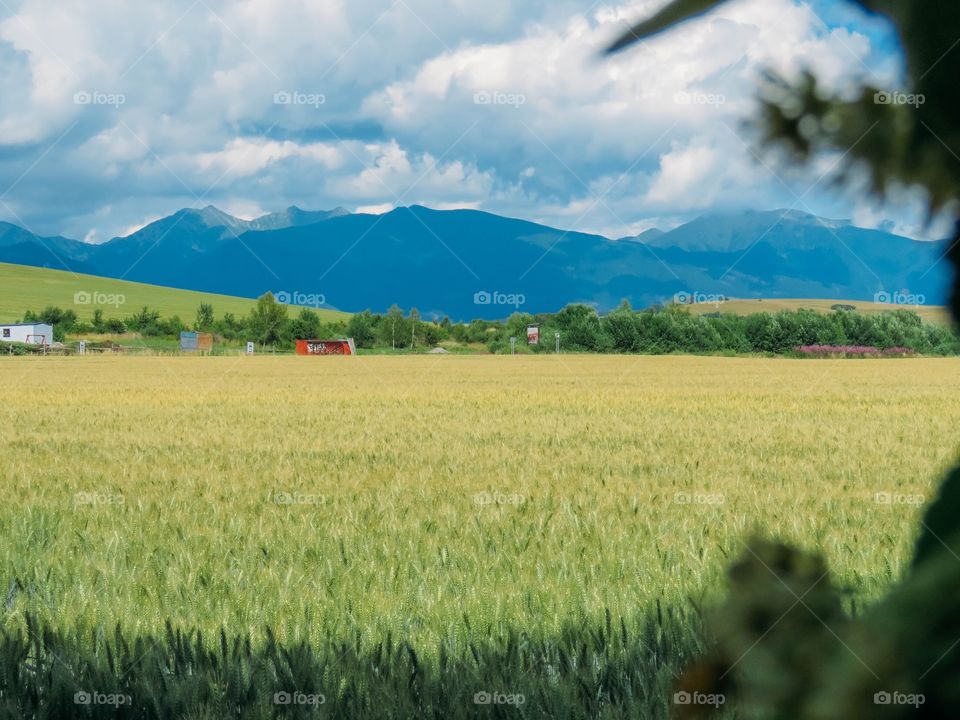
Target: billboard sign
(533, 334)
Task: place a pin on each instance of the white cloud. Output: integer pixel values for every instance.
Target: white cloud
(242, 157)
(375, 209)
(502, 105)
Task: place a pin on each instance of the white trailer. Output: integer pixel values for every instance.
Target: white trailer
(32, 333)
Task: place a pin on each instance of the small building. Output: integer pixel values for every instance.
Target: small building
(30, 333)
(196, 342)
(326, 347)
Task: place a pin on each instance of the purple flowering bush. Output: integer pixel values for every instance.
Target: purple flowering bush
(852, 351)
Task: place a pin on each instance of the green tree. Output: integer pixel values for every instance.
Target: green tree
(204, 319)
(171, 327)
(362, 328)
(621, 327)
(62, 320)
(581, 329)
(414, 326)
(267, 320)
(143, 320)
(394, 330)
(306, 326)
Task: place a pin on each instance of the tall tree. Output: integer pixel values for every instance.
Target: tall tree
(204, 317)
(267, 320)
(414, 325)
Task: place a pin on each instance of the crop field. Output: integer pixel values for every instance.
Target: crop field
(447, 501)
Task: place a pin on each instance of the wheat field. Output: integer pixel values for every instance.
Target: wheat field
(439, 497)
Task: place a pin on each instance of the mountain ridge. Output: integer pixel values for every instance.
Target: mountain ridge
(448, 262)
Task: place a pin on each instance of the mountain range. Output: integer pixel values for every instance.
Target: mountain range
(471, 264)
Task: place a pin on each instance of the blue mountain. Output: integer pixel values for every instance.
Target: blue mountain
(467, 263)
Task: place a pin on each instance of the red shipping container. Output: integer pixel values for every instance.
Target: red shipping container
(326, 347)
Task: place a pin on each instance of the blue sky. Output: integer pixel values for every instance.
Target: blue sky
(115, 114)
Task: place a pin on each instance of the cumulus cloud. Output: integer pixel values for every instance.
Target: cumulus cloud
(120, 113)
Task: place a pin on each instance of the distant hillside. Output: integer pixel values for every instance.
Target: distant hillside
(470, 264)
(27, 288)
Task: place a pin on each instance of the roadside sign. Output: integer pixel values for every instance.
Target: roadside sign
(533, 334)
(249, 348)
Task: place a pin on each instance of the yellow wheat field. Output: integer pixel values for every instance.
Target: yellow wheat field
(428, 495)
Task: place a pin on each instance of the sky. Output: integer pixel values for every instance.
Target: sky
(114, 114)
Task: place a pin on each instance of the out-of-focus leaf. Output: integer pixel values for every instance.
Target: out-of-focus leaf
(672, 14)
(940, 532)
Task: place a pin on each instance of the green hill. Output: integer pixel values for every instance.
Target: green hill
(25, 288)
(930, 313)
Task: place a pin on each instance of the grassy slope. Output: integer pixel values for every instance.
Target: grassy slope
(25, 288)
(930, 313)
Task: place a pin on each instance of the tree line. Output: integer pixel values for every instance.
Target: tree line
(654, 330)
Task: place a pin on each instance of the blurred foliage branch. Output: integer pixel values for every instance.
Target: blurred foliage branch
(783, 647)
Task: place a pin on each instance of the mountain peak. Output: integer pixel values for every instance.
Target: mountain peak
(215, 217)
(293, 216)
